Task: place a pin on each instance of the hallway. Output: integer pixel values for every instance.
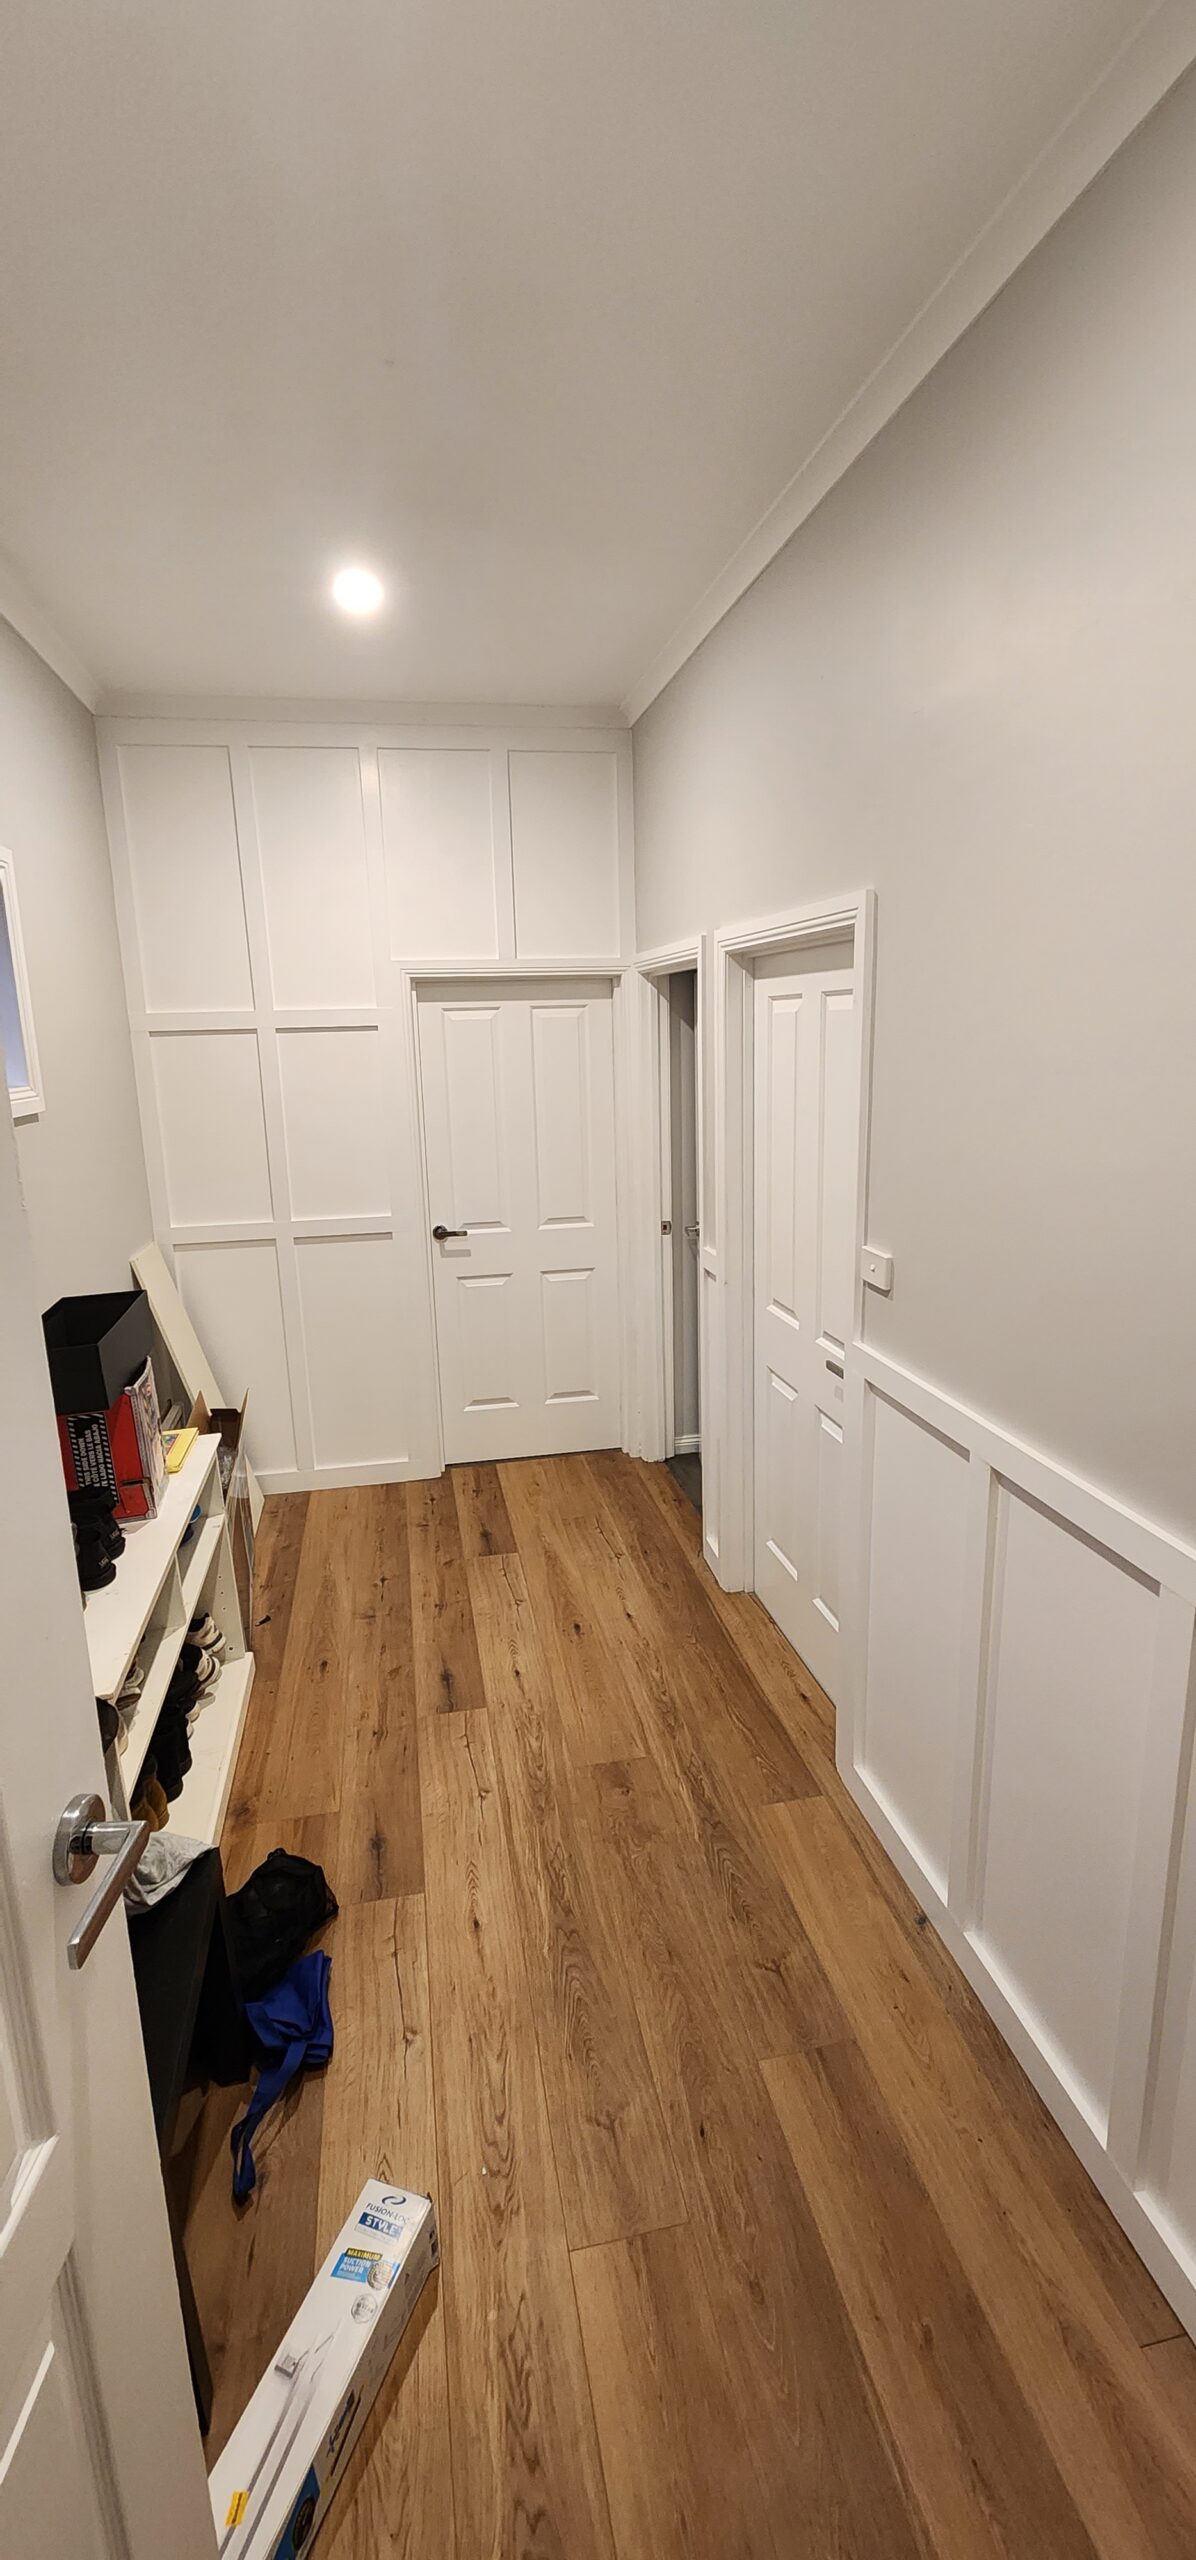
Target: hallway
(756, 2239)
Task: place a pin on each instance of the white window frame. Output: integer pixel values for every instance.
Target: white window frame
(26, 1099)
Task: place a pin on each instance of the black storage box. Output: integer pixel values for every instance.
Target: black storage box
(96, 1346)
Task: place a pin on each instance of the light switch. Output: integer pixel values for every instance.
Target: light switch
(877, 1270)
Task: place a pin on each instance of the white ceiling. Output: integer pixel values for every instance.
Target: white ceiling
(534, 306)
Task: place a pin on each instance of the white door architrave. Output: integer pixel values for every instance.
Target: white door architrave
(727, 1239)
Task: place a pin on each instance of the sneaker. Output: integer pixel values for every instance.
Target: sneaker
(196, 1664)
(204, 1631)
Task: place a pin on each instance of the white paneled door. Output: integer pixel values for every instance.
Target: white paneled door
(806, 1087)
(519, 1126)
(99, 2446)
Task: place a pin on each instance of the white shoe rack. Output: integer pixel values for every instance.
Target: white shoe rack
(170, 1572)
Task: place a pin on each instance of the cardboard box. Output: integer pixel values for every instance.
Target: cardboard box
(273, 2483)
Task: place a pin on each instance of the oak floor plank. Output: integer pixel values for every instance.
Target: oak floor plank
(482, 1514)
(296, 1767)
(250, 2265)
(447, 1673)
(715, 1784)
(799, 2392)
(396, 2499)
(1171, 2371)
(550, 1489)
(380, 1832)
(277, 1553)
(571, 1567)
(970, 2443)
(758, 1762)
(681, 2485)
(613, 2159)
(1131, 2477)
(526, 2472)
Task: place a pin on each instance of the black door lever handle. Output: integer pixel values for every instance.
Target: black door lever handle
(443, 1233)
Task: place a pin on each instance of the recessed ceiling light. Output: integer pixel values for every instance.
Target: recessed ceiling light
(357, 590)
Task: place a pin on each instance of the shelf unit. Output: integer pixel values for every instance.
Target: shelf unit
(172, 1567)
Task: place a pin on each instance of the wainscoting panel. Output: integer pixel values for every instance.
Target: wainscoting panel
(231, 1293)
(276, 884)
(915, 1600)
(1020, 1735)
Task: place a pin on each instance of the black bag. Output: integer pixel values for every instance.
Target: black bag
(272, 1917)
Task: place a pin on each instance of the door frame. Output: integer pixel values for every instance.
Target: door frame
(650, 1361)
(729, 1538)
(485, 973)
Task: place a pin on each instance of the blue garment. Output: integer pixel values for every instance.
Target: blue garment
(293, 2028)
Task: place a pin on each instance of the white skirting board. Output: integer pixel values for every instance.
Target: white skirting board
(1018, 1731)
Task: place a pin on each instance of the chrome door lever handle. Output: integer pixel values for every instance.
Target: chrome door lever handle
(83, 1836)
(835, 1367)
(442, 1234)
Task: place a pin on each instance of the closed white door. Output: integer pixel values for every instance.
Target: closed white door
(683, 1205)
(519, 1130)
(99, 2447)
(806, 1085)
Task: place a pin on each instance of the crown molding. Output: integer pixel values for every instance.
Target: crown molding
(346, 712)
(1146, 66)
(34, 624)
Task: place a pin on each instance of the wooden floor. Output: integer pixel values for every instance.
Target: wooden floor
(756, 2240)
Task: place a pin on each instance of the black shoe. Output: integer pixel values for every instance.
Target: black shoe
(92, 1511)
(96, 1568)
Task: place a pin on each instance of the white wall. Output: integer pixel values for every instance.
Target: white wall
(275, 886)
(968, 682)
(81, 1163)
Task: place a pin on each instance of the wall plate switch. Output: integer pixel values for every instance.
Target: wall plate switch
(877, 1269)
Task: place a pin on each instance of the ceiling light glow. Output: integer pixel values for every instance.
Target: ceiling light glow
(357, 590)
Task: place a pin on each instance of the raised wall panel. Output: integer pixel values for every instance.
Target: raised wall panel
(485, 1320)
(438, 836)
(782, 1472)
(915, 1601)
(186, 878)
(1070, 1655)
(1170, 2151)
(231, 1294)
(565, 850)
(560, 1082)
(828, 1516)
(472, 1067)
(209, 1090)
(311, 836)
(567, 1305)
(349, 1293)
(337, 1123)
(837, 1169)
(785, 1020)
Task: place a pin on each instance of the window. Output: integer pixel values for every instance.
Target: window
(16, 1014)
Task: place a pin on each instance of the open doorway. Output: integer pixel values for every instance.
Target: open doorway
(680, 1230)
